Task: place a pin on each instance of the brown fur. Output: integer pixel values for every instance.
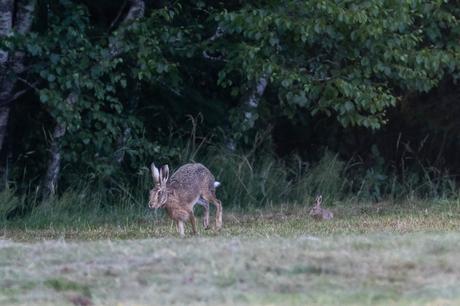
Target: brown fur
(179, 194)
(319, 213)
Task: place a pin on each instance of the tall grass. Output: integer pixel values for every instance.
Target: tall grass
(9, 202)
(250, 180)
(257, 180)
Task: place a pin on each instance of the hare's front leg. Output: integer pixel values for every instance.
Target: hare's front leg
(180, 228)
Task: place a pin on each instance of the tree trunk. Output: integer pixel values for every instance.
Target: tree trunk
(254, 98)
(121, 150)
(6, 25)
(54, 164)
(6, 91)
(20, 22)
(136, 11)
(4, 115)
(249, 106)
(24, 15)
(23, 22)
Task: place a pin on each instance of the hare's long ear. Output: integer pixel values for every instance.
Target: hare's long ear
(155, 173)
(164, 173)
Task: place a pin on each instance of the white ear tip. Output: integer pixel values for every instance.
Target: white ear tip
(216, 184)
(155, 172)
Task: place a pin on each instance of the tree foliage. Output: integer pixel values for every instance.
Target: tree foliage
(347, 60)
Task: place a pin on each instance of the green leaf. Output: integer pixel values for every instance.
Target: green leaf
(43, 97)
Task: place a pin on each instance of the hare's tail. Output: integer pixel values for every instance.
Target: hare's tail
(216, 184)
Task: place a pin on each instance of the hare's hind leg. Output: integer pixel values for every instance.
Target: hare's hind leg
(193, 222)
(211, 197)
(218, 213)
(206, 217)
(205, 205)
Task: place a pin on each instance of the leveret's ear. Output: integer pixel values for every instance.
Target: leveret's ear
(155, 173)
(319, 199)
(164, 174)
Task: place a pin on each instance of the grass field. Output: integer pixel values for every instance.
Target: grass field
(368, 255)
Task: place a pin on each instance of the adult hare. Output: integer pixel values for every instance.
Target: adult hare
(191, 184)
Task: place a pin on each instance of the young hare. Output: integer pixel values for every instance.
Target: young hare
(320, 213)
(191, 184)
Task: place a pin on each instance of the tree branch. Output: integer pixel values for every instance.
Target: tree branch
(21, 92)
(31, 85)
(211, 57)
(11, 99)
(136, 11)
(219, 33)
(122, 8)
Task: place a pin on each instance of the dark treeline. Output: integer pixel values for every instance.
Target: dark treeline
(92, 91)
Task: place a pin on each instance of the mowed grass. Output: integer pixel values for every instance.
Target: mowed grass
(370, 254)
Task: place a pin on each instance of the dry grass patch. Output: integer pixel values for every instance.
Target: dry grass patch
(375, 269)
(268, 257)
